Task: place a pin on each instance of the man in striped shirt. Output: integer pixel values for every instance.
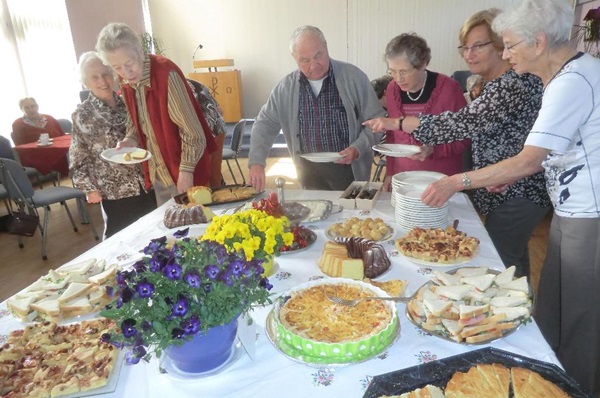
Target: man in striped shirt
(319, 108)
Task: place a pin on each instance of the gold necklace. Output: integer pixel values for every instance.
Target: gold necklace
(420, 93)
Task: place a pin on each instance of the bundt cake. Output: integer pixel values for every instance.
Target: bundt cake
(181, 215)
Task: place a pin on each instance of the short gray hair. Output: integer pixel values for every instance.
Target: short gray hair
(118, 35)
(306, 29)
(413, 47)
(87, 58)
(554, 18)
(22, 101)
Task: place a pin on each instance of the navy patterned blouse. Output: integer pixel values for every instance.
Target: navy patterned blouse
(497, 123)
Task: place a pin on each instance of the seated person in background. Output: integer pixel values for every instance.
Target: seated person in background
(29, 127)
(99, 123)
(414, 91)
(319, 108)
(498, 124)
(165, 118)
(474, 87)
(380, 86)
(214, 117)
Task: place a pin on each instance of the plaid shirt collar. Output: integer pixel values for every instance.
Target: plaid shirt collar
(304, 80)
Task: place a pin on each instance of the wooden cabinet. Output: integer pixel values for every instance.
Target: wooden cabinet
(224, 86)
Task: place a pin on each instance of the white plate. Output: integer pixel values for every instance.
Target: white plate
(385, 237)
(322, 157)
(417, 177)
(397, 150)
(436, 264)
(166, 367)
(43, 145)
(116, 155)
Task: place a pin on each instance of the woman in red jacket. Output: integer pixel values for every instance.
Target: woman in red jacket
(29, 127)
(164, 116)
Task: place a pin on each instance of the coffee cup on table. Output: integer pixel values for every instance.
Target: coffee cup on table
(44, 139)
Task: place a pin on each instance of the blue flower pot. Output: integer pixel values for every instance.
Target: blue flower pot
(205, 352)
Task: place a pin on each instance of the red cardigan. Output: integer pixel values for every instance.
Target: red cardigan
(446, 158)
(23, 133)
(167, 132)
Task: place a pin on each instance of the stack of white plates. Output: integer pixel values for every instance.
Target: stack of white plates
(411, 212)
(418, 179)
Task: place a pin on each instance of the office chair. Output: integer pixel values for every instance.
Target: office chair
(21, 192)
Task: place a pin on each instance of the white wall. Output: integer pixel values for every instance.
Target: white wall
(255, 33)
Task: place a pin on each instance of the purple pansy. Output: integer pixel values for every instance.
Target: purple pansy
(211, 271)
(190, 326)
(177, 333)
(145, 289)
(180, 307)
(128, 328)
(172, 271)
(192, 277)
(181, 233)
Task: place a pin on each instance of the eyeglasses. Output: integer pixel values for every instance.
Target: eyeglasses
(476, 48)
(510, 48)
(399, 73)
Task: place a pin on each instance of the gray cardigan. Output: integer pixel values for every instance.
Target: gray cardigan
(281, 113)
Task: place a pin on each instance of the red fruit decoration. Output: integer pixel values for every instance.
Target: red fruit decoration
(270, 205)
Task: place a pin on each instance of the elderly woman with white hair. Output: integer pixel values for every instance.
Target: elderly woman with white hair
(165, 118)
(474, 87)
(99, 124)
(565, 143)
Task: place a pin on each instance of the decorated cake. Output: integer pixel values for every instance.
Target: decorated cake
(181, 215)
(315, 328)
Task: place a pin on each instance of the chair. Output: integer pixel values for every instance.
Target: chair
(66, 125)
(236, 145)
(7, 152)
(380, 165)
(461, 77)
(21, 191)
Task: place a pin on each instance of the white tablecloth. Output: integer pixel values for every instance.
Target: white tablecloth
(271, 374)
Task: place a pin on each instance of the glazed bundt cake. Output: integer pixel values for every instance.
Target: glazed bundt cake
(181, 215)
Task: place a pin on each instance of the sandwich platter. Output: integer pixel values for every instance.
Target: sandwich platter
(439, 372)
(472, 305)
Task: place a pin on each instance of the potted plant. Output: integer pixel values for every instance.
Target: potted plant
(182, 294)
(252, 232)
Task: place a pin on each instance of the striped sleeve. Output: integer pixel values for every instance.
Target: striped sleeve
(182, 113)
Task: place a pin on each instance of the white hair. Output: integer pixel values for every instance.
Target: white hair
(87, 58)
(306, 29)
(473, 80)
(554, 18)
(115, 36)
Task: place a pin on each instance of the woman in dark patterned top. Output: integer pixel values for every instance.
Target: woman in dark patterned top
(98, 124)
(497, 123)
(214, 118)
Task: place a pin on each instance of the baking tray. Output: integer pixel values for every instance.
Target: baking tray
(183, 199)
(440, 372)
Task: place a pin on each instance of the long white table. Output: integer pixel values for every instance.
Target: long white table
(271, 374)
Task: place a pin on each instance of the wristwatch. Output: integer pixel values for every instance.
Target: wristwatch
(466, 182)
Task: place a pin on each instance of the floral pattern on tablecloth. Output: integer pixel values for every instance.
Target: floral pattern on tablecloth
(3, 338)
(426, 356)
(366, 381)
(283, 275)
(323, 377)
(4, 313)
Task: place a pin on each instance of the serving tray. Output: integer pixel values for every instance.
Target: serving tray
(183, 199)
(440, 372)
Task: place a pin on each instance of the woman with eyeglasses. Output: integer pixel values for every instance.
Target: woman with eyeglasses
(497, 122)
(565, 143)
(415, 90)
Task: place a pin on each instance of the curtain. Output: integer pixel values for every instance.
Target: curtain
(41, 63)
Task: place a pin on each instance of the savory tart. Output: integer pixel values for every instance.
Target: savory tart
(46, 359)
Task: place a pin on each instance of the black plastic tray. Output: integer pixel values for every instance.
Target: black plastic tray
(439, 372)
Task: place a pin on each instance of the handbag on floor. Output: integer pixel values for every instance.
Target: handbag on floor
(23, 224)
